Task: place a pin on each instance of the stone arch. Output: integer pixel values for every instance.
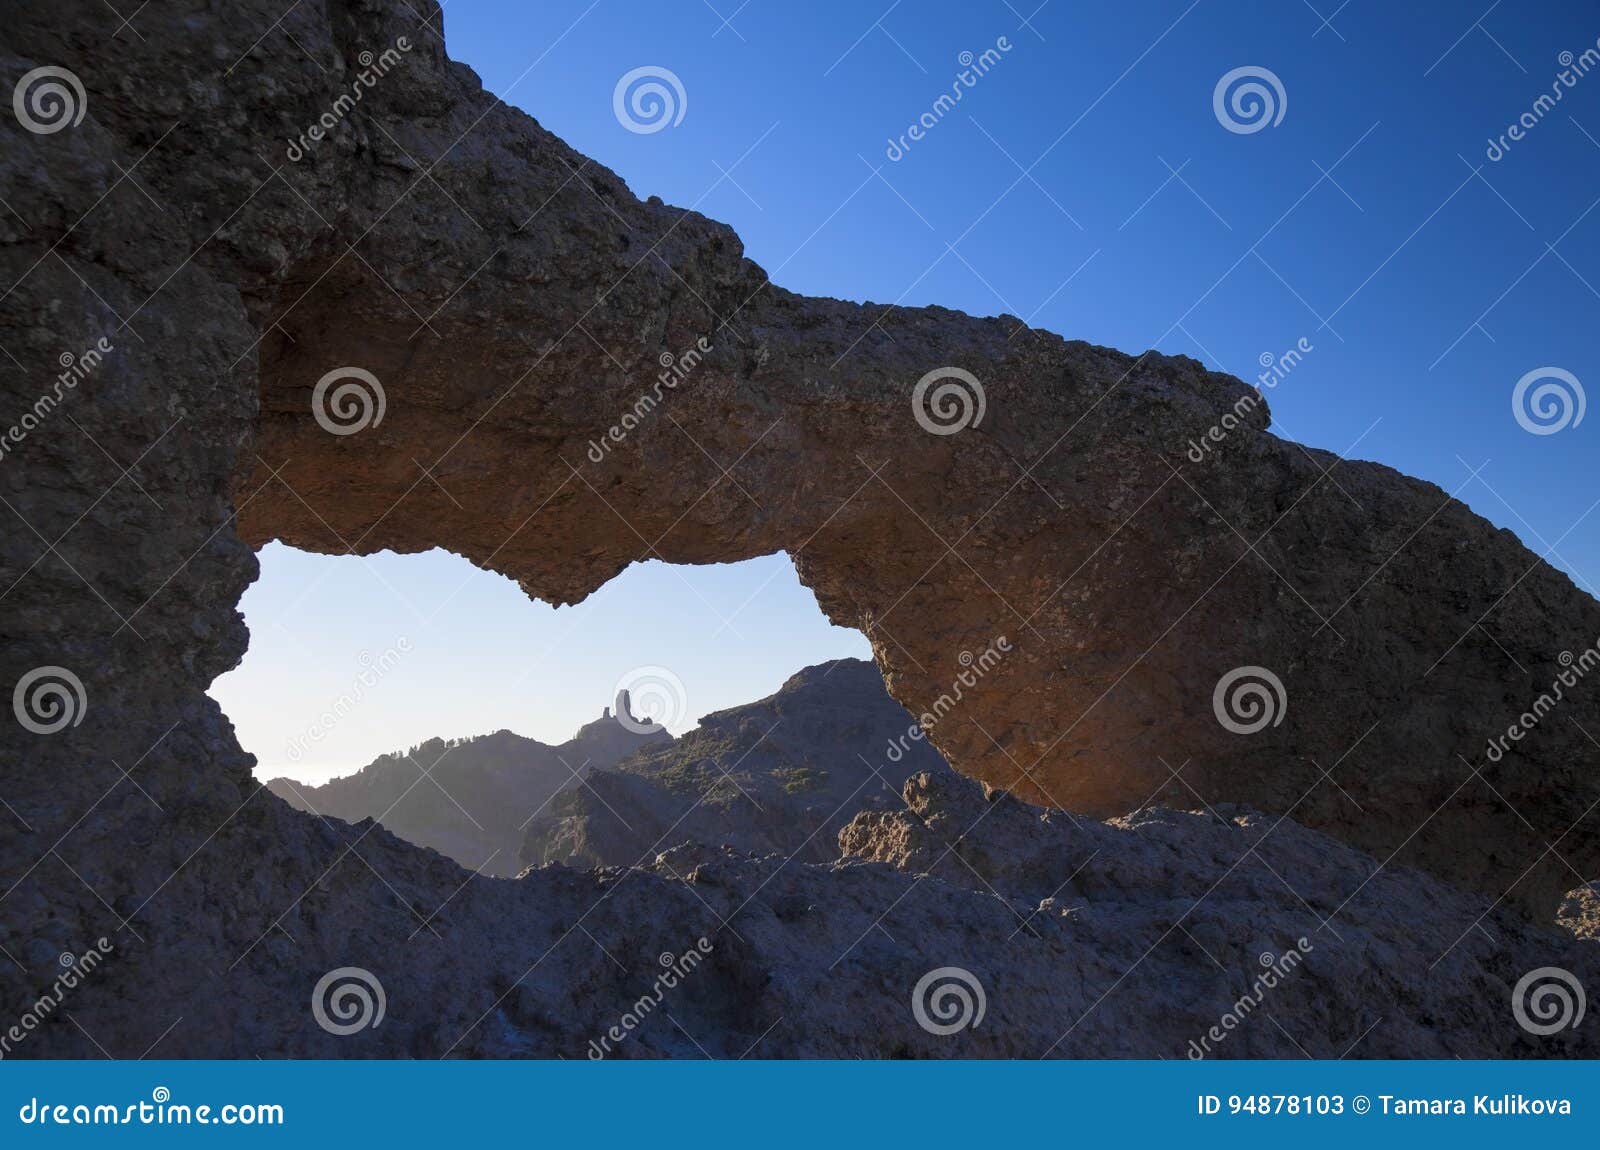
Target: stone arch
(128, 539)
(513, 299)
(596, 379)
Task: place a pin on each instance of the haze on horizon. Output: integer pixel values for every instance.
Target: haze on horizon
(426, 646)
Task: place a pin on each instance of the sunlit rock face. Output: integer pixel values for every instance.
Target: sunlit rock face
(1061, 557)
(574, 379)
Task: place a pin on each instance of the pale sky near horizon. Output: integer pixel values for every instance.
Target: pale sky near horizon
(482, 656)
(1086, 184)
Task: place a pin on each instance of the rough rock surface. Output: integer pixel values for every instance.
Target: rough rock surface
(1580, 912)
(513, 297)
(515, 300)
(1126, 939)
(469, 799)
(779, 776)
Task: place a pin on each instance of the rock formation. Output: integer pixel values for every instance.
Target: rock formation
(1580, 912)
(1127, 580)
(179, 278)
(1128, 939)
(779, 776)
(472, 800)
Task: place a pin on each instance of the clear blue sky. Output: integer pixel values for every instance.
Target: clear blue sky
(1083, 183)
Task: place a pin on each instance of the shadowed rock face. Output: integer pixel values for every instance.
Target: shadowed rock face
(1125, 939)
(1125, 591)
(516, 303)
(1126, 579)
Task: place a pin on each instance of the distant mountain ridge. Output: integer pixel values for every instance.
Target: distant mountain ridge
(780, 775)
(478, 794)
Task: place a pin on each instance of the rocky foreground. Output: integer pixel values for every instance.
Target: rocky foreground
(181, 280)
(1132, 938)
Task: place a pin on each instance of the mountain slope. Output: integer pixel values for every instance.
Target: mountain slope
(469, 799)
(783, 774)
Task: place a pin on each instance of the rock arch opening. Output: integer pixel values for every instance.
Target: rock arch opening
(514, 302)
(601, 421)
(516, 358)
(436, 698)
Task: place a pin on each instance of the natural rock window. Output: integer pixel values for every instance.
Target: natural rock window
(502, 309)
(436, 698)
